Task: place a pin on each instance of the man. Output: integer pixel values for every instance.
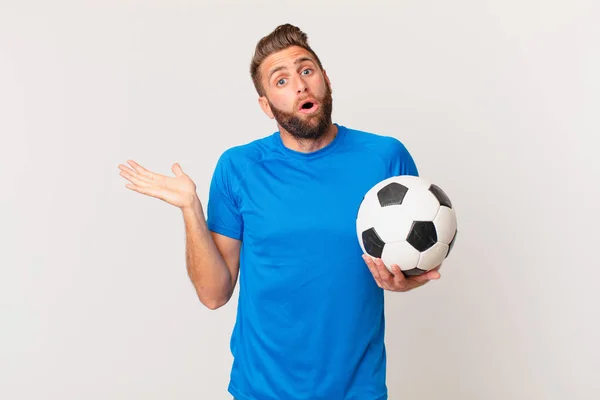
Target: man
(281, 215)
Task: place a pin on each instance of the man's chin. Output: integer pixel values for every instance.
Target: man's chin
(304, 126)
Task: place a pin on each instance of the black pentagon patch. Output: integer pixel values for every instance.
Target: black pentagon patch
(422, 235)
(440, 196)
(372, 243)
(413, 272)
(392, 194)
(451, 244)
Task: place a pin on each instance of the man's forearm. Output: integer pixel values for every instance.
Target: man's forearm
(205, 265)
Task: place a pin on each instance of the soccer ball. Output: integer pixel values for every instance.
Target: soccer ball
(408, 221)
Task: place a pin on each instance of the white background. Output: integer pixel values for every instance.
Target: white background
(496, 100)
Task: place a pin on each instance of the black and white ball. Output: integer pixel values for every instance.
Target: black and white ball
(408, 221)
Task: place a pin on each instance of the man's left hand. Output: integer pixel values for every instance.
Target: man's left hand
(396, 281)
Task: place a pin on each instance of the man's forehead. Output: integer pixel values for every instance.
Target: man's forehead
(285, 58)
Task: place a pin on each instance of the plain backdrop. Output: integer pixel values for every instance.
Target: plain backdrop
(497, 101)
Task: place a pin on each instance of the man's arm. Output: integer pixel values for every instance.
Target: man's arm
(212, 259)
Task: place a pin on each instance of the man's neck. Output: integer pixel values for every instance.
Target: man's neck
(308, 145)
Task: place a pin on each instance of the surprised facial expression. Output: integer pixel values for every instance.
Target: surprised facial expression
(297, 93)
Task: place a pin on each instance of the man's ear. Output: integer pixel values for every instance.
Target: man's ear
(265, 106)
(327, 80)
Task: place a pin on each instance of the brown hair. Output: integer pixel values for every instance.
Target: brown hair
(280, 38)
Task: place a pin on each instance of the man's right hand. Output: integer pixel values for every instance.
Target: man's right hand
(179, 190)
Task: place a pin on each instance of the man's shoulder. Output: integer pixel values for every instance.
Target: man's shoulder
(250, 151)
(381, 143)
(239, 158)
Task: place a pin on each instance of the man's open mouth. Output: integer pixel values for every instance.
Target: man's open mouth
(308, 106)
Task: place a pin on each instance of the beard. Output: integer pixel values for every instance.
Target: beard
(313, 126)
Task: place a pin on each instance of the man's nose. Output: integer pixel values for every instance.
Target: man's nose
(301, 86)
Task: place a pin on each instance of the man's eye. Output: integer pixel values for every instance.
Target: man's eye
(281, 81)
(306, 71)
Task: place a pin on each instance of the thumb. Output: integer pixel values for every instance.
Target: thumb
(433, 275)
(425, 277)
(176, 168)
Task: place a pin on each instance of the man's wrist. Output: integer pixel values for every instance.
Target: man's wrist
(193, 207)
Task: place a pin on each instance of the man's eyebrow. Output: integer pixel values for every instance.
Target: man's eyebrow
(302, 59)
(298, 61)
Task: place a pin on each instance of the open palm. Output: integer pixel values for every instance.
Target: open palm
(179, 190)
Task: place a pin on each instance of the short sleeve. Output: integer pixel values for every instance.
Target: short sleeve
(402, 162)
(223, 214)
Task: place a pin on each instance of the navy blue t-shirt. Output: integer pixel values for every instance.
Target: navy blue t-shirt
(310, 317)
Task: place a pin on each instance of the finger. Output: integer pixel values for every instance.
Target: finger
(177, 170)
(141, 170)
(400, 282)
(128, 172)
(418, 280)
(134, 178)
(384, 274)
(398, 275)
(374, 272)
(127, 168)
(373, 268)
(433, 274)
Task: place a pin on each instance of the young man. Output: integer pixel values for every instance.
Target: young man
(281, 216)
